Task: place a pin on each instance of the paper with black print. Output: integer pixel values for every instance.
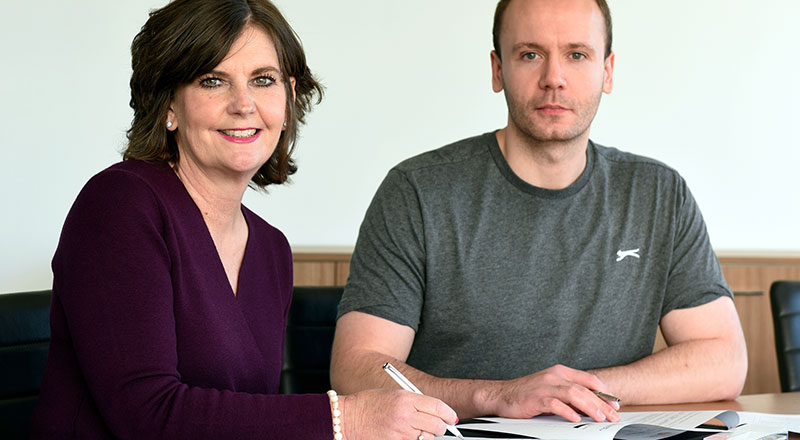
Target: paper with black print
(632, 426)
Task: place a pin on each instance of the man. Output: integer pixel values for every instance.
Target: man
(519, 272)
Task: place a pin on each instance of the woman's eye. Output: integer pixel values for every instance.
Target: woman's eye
(210, 82)
(264, 81)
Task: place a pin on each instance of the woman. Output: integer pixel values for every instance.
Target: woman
(169, 296)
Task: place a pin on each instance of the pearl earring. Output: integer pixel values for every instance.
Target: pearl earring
(169, 124)
(284, 124)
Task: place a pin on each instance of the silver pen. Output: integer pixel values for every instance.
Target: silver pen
(607, 396)
(408, 386)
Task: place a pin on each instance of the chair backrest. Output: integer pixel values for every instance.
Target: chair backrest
(309, 339)
(785, 300)
(24, 340)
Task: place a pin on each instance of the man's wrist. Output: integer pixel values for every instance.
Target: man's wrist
(485, 397)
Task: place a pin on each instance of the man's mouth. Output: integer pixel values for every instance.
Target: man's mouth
(552, 107)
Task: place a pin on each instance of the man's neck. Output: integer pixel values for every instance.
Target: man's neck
(549, 165)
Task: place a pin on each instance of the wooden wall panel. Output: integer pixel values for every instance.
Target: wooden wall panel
(314, 273)
(342, 272)
(750, 281)
(321, 267)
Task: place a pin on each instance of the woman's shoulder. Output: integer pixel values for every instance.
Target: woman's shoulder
(126, 190)
(132, 180)
(136, 171)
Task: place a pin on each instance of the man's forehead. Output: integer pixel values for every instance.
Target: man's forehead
(537, 21)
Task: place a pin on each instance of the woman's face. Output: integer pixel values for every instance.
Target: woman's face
(228, 121)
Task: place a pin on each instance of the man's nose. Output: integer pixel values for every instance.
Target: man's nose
(553, 75)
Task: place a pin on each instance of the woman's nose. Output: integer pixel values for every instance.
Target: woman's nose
(241, 101)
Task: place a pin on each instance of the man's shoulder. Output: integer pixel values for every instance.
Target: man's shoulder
(614, 158)
(451, 155)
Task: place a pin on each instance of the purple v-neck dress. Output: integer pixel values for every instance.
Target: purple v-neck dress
(148, 340)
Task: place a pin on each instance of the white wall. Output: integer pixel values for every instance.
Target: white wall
(707, 86)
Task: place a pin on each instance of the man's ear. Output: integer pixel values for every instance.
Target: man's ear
(497, 72)
(608, 79)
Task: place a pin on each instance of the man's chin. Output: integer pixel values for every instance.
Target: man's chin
(554, 136)
(549, 131)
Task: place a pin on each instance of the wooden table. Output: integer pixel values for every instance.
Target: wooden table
(778, 403)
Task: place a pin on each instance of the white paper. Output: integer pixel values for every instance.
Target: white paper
(633, 425)
(787, 422)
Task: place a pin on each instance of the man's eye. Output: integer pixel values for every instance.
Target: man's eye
(530, 56)
(577, 56)
(210, 82)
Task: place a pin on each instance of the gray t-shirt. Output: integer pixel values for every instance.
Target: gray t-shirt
(500, 279)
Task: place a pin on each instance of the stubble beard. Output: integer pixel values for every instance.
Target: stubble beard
(522, 115)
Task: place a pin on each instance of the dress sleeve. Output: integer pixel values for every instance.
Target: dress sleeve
(387, 269)
(112, 278)
(695, 276)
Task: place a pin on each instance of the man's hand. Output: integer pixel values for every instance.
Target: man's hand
(557, 390)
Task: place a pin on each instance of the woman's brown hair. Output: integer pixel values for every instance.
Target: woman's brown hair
(188, 38)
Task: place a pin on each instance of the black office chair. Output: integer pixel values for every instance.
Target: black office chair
(785, 299)
(24, 340)
(309, 339)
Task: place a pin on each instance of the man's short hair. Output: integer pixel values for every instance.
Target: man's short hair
(503, 4)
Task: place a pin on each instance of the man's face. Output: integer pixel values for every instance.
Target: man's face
(553, 69)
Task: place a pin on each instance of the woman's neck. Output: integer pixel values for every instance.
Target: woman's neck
(218, 199)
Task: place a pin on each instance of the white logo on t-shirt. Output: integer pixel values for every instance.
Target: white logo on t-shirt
(631, 253)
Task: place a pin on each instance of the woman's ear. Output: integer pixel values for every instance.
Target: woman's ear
(172, 121)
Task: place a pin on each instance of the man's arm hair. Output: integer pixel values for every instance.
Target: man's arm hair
(363, 343)
(706, 360)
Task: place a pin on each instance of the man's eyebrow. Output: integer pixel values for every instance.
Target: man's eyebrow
(536, 46)
(580, 46)
(527, 45)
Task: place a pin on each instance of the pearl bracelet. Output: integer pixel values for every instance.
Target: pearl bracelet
(337, 422)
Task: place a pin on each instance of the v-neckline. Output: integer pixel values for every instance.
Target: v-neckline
(220, 267)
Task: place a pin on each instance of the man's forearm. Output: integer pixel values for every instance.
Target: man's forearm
(691, 371)
(363, 343)
(469, 398)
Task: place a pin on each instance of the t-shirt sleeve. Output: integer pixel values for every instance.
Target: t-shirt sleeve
(387, 269)
(112, 279)
(695, 276)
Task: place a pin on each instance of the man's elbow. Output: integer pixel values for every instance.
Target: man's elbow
(347, 372)
(339, 384)
(736, 366)
(340, 374)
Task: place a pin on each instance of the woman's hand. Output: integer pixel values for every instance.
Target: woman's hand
(393, 415)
